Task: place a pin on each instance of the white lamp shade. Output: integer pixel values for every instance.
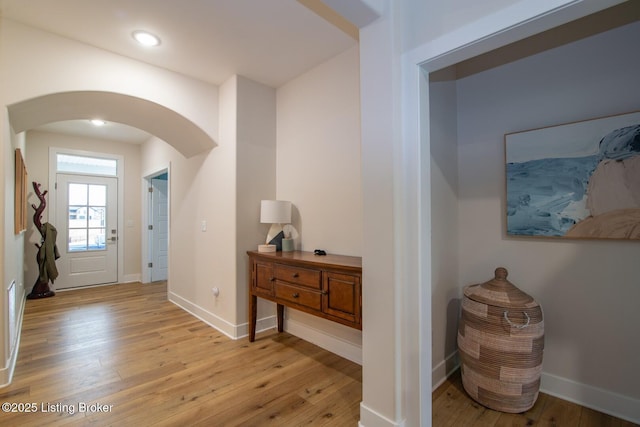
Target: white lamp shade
(275, 212)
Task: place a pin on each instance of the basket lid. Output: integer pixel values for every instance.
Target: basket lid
(500, 292)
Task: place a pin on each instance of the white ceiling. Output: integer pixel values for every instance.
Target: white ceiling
(269, 41)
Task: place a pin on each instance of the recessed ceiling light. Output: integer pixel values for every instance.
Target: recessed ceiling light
(145, 38)
(98, 122)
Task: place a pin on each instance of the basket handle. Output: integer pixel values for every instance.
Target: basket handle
(506, 317)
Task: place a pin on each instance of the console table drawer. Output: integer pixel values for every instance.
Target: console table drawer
(327, 286)
(299, 276)
(263, 279)
(300, 296)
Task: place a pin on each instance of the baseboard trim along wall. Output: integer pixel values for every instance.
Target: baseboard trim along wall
(6, 373)
(369, 417)
(614, 404)
(262, 325)
(601, 400)
(207, 317)
(327, 341)
(131, 278)
(444, 369)
(320, 338)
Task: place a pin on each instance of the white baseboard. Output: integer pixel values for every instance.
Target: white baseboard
(207, 317)
(322, 339)
(444, 369)
(370, 418)
(339, 346)
(605, 401)
(262, 325)
(6, 373)
(614, 404)
(130, 278)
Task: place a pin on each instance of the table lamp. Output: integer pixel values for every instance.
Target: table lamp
(276, 213)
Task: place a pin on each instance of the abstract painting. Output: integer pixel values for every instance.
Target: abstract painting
(576, 180)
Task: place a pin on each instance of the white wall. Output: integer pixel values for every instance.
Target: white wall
(385, 394)
(400, 277)
(37, 160)
(318, 170)
(41, 63)
(445, 290)
(222, 188)
(588, 289)
(13, 258)
(456, 23)
(6, 273)
(255, 135)
(432, 18)
(318, 157)
(202, 189)
(34, 63)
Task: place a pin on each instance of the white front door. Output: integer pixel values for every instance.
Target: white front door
(87, 219)
(159, 229)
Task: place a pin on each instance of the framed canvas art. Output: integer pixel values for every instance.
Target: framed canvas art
(20, 194)
(576, 180)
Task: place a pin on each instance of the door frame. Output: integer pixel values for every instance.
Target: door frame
(102, 262)
(147, 254)
(53, 172)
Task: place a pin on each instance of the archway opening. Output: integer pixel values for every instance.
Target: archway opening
(162, 122)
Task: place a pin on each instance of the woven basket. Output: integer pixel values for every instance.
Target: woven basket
(500, 341)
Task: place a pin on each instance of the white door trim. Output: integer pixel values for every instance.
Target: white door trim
(50, 212)
(146, 207)
(158, 233)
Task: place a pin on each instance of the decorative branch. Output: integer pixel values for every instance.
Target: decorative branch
(37, 216)
(41, 287)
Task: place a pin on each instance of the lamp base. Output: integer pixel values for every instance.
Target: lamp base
(266, 248)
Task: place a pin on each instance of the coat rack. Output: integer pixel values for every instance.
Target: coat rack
(47, 250)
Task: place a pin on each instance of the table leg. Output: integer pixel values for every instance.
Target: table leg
(253, 312)
(280, 310)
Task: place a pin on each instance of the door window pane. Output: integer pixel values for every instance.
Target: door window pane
(77, 194)
(77, 240)
(77, 217)
(97, 195)
(96, 239)
(87, 217)
(97, 215)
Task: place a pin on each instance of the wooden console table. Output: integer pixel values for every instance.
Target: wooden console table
(327, 286)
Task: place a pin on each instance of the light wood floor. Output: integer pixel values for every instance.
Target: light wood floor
(151, 363)
(148, 362)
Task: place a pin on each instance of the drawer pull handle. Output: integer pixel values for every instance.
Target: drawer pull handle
(272, 279)
(295, 275)
(295, 295)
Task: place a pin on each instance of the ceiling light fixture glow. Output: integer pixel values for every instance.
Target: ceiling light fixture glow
(146, 39)
(98, 122)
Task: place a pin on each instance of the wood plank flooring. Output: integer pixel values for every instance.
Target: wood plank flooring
(146, 362)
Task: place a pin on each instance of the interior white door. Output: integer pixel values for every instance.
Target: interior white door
(159, 229)
(87, 219)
